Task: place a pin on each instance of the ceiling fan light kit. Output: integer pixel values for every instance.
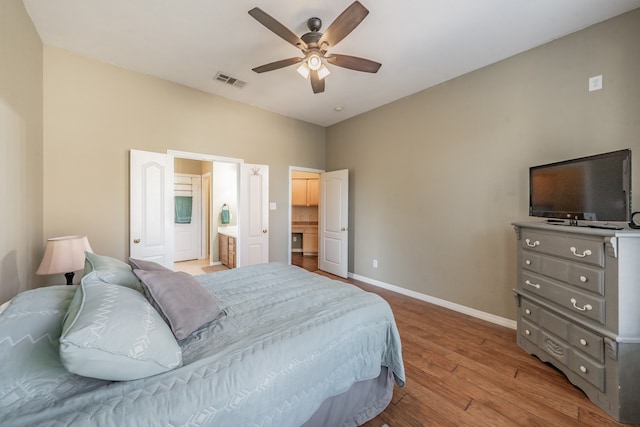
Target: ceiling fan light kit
(304, 70)
(314, 61)
(314, 45)
(323, 71)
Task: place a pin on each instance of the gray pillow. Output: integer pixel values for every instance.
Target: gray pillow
(141, 264)
(180, 299)
(112, 333)
(109, 270)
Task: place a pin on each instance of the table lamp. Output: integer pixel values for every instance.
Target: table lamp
(64, 255)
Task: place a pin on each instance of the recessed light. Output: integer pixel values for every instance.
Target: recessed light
(338, 109)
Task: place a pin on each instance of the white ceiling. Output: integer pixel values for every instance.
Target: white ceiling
(420, 43)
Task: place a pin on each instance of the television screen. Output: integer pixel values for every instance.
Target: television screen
(595, 188)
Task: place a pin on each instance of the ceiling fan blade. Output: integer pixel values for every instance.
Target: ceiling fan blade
(277, 65)
(343, 24)
(317, 84)
(354, 63)
(277, 28)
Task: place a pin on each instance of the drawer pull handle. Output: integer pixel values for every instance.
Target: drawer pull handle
(584, 253)
(532, 245)
(583, 369)
(534, 285)
(527, 311)
(586, 307)
(583, 342)
(527, 332)
(528, 262)
(583, 279)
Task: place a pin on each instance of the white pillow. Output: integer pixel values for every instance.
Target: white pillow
(111, 332)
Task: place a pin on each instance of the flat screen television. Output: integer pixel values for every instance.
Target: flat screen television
(594, 188)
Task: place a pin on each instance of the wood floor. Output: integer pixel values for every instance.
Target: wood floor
(308, 262)
(463, 371)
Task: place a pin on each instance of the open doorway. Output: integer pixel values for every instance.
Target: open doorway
(210, 187)
(303, 233)
(152, 208)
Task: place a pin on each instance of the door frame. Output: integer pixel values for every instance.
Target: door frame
(290, 206)
(206, 216)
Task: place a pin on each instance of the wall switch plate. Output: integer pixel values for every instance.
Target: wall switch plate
(595, 83)
(375, 263)
(272, 206)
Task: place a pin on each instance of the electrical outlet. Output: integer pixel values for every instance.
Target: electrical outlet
(375, 263)
(595, 83)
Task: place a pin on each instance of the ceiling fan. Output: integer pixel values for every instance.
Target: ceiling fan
(315, 45)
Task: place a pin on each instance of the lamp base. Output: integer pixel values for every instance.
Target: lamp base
(69, 277)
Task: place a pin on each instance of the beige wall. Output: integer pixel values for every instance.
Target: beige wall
(437, 177)
(21, 238)
(95, 113)
(188, 166)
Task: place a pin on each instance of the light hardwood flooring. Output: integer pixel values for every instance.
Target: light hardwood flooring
(462, 371)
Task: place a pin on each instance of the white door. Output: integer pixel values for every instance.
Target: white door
(151, 207)
(333, 222)
(254, 215)
(187, 235)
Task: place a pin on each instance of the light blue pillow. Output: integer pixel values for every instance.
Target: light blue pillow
(109, 270)
(112, 333)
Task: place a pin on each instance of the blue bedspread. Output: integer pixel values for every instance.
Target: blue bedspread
(289, 339)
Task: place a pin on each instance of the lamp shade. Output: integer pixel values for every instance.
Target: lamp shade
(64, 255)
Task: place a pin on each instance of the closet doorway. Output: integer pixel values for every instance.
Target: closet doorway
(305, 185)
(330, 220)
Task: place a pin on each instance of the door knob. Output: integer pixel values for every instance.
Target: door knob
(136, 241)
(343, 229)
(264, 231)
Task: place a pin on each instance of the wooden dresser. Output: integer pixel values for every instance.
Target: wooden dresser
(578, 297)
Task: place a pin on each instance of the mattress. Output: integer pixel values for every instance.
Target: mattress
(288, 340)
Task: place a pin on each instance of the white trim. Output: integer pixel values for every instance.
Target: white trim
(502, 321)
(199, 156)
(206, 221)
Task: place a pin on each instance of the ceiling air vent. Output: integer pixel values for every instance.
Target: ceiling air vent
(224, 78)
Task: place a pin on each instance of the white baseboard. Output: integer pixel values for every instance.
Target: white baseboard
(502, 321)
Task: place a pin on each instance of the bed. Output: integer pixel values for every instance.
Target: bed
(287, 348)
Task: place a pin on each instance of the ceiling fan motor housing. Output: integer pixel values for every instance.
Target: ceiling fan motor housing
(314, 24)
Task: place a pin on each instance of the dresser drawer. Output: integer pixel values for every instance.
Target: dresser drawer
(587, 342)
(529, 311)
(590, 251)
(588, 369)
(589, 306)
(528, 330)
(580, 275)
(530, 261)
